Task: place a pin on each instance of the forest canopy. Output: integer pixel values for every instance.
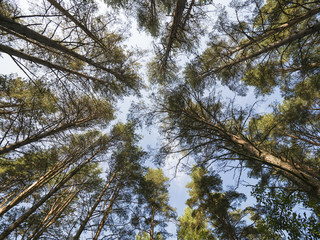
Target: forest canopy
(230, 89)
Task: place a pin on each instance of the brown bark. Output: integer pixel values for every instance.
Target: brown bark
(85, 221)
(152, 224)
(79, 24)
(306, 178)
(56, 212)
(107, 211)
(281, 28)
(177, 17)
(57, 169)
(24, 216)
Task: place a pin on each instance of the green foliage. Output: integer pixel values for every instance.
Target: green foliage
(23, 170)
(214, 213)
(77, 67)
(279, 206)
(193, 225)
(154, 212)
(145, 236)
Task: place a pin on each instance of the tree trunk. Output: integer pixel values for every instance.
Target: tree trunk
(281, 28)
(107, 211)
(56, 214)
(85, 221)
(57, 169)
(17, 223)
(177, 17)
(152, 224)
(79, 24)
(14, 52)
(306, 178)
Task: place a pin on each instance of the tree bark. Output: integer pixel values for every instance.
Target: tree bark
(29, 33)
(281, 28)
(177, 17)
(152, 224)
(85, 221)
(57, 169)
(107, 211)
(79, 24)
(13, 52)
(20, 220)
(56, 214)
(307, 179)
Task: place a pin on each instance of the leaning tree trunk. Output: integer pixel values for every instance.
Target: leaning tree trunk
(107, 211)
(20, 54)
(57, 169)
(177, 17)
(56, 214)
(85, 221)
(24, 217)
(304, 177)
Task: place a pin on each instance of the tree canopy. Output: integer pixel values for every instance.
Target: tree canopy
(232, 89)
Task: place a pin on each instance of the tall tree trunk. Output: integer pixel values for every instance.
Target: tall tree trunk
(152, 223)
(20, 220)
(107, 211)
(57, 169)
(177, 18)
(279, 29)
(79, 24)
(306, 178)
(57, 211)
(85, 221)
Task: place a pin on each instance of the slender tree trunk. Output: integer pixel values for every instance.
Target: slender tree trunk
(107, 211)
(188, 14)
(57, 169)
(17, 223)
(177, 17)
(281, 28)
(54, 206)
(85, 221)
(79, 24)
(152, 224)
(56, 214)
(306, 178)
